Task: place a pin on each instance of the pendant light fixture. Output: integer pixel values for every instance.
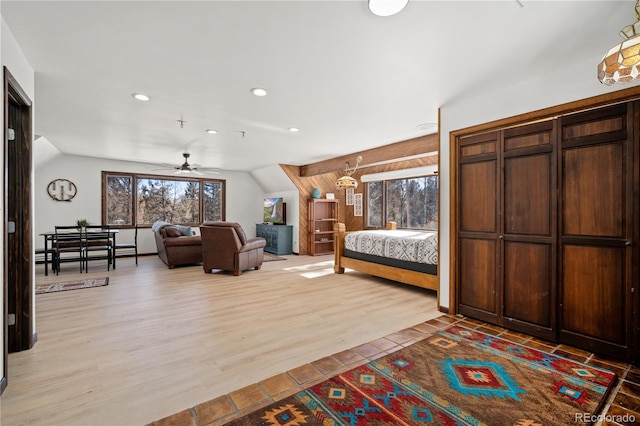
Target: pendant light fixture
(346, 181)
(386, 7)
(621, 64)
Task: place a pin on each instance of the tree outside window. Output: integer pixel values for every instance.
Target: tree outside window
(158, 198)
(411, 203)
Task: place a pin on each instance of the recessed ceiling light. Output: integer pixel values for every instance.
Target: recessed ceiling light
(211, 131)
(386, 7)
(141, 97)
(428, 126)
(259, 91)
(294, 129)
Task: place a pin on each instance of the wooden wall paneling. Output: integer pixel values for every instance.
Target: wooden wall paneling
(393, 153)
(325, 183)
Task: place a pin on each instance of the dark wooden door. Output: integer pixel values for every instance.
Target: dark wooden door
(596, 230)
(18, 252)
(528, 229)
(478, 290)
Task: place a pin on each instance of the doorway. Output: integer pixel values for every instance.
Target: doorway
(18, 295)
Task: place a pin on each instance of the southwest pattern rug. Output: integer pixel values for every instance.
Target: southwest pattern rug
(71, 285)
(458, 376)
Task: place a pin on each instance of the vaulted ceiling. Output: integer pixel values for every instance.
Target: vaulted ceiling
(347, 79)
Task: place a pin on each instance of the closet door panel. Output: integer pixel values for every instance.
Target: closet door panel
(478, 227)
(478, 197)
(527, 282)
(527, 195)
(597, 219)
(478, 297)
(593, 191)
(593, 292)
(528, 229)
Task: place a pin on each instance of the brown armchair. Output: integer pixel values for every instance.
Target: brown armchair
(225, 246)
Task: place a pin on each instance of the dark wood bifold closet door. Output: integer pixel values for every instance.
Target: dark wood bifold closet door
(528, 228)
(478, 292)
(596, 225)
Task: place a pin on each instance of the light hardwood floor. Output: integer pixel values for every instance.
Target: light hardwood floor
(156, 341)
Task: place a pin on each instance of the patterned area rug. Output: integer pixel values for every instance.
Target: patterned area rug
(458, 376)
(268, 257)
(71, 285)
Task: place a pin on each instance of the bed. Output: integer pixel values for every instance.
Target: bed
(409, 257)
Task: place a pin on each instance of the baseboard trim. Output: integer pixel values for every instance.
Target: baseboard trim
(443, 309)
(3, 384)
(34, 339)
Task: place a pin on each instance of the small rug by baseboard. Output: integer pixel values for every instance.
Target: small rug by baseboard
(268, 257)
(71, 285)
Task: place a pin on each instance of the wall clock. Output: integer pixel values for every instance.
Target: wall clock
(61, 189)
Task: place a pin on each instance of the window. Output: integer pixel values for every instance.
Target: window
(411, 202)
(142, 199)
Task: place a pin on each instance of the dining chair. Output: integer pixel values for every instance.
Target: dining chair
(67, 240)
(127, 246)
(97, 245)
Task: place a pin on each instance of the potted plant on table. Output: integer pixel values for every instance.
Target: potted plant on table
(82, 223)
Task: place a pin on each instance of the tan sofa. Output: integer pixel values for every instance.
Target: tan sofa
(225, 246)
(174, 248)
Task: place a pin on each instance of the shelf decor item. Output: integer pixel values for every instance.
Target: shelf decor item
(315, 193)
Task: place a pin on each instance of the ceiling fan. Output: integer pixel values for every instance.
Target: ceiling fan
(186, 168)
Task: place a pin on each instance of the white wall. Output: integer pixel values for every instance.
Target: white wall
(244, 197)
(276, 183)
(577, 81)
(12, 57)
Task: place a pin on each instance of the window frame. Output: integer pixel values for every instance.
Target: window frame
(134, 181)
(365, 191)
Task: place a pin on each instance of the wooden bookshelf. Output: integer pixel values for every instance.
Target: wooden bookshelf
(323, 214)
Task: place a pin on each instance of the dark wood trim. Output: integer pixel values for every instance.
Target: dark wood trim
(395, 152)
(3, 384)
(443, 309)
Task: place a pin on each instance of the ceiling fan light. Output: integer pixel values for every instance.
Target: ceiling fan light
(211, 131)
(387, 7)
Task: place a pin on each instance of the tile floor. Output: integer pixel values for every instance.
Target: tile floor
(624, 398)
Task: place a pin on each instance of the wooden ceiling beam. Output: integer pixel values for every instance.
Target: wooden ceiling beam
(399, 151)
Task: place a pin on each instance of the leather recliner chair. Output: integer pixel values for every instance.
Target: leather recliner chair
(225, 246)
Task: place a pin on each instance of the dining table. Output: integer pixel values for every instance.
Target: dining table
(49, 240)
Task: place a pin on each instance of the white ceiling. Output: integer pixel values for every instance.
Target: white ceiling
(348, 79)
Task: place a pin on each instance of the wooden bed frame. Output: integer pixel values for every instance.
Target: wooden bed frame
(419, 279)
